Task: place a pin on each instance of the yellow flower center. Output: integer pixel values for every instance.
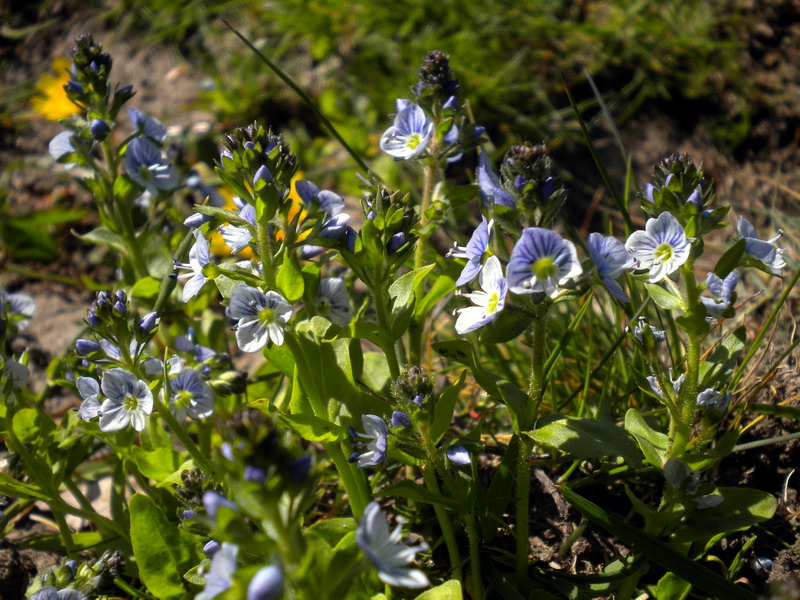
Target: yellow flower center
(131, 403)
(413, 141)
(664, 253)
(266, 316)
(544, 268)
(491, 305)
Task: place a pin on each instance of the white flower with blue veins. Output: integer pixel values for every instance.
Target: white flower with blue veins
(191, 395)
(763, 250)
(260, 317)
(377, 432)
(489, 184)
(128, 401)
(410, 134)
(238, 237)
(661, 248)
(332, 301)
(541, 261)
(198, 259)
(89, 390)
(145, 165)
(386, 551)
(611, 260)
(220, 574)
(474, 250)
(721, 293)
(488, 302)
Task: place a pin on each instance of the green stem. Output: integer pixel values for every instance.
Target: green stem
(265, 251)
(64, 531)
(383, 321)
(538, 359)
(474, 557)
(444, 523)
(199, 458)
(523, 503)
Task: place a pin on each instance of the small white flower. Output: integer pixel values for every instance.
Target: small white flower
(409, 135)
(661, 248)
(128, 401)
(377, 432)
(260, 317)
(489, 302)
(89, 390)
(385, 550)
(198, 258)
(541, 262)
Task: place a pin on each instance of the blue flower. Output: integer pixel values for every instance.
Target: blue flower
(332, 301)
(458, 455)
(475, 249)
(213, 501)
(191, 395)
(489, 184)
(260, 317)
(378, 433)
(220, 574)
(89, 390)
(488, 303)
(266, 584)
(144, 164)
(187, 345)
(763, 250)
(51, 593)
(147, 125)
(386, 551)
(316, 200)
(721, 292)
(21, 306)
(62, 145)
(661, 248)
(541, 261)
(611, 260)
(713, 400)
(198, 259)
(410, 134)
(638, 331)
(128, 401)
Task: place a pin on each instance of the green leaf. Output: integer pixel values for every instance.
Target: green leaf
(157, 464)
(314, 429)
(146, 288)
(414, 491)
(281, 358)
(161, 553)
(672, 587)
(225, 285)
(587, 438)
(443, 286)
(375, 373)
(508, 325)
(449, 590)
(125, 190)
(332, 530)
(694, 573)
(402, 293)
(663, 298)
(55, 543)
(104, 237)
(652, 443)
(462, 194)
(741, 508)
(718, 367)
(731, 259)
(16, 489)
(290, 281)
(445, 405)
(775, 410)
(694, 322)
(220, 213)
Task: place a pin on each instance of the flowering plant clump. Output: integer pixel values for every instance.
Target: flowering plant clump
(223, 397)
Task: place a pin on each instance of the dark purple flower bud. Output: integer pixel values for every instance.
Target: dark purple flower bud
(72, 565)
(86, 347)
(350, 236)
(255, 474)
(354, 457)
(478, 131)
(249, 145)
(210, 548)
(102, 298)
(213, 501)
(400, 419)
(74, 87)
(547, 188)
(120, 308)
(418, 400)
(197, 219)
(189, 515)
(263, 173)
(299, 469)
(99, 129)
(92, 318)
(395, 242)
(95, 66)
(352, 431)
(148, 322)
(266, 584)
(520, 182)
(458, 455)
(371, 215)
(120, 295)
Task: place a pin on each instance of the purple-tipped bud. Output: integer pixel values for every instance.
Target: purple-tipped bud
(86, 347)
(102, 298)
(478, 131)
(255, 475)
(350, 236)
(371, 215)
(210, 548)
(213, 501)
(197, 220)
(266, 584)
(418, 400)
(120, 308)
(92, 318)
(74, 87)
(458, 455)
(189, 515)
(299, 469)
(400, 419)
(352, 431)
(354, 457)
(120, 295)
(99, 129)
(263, 173)
(227, 451)
(547, 188)
(72, 565)
(148, 322)
(249, 145)
(395, 242)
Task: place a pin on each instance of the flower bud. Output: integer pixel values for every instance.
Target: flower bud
(197, 220)
(211, 548)
(86, 347)
(267, 584)
(395, 242)
(148, 323)
(400, 419)
(99, 129)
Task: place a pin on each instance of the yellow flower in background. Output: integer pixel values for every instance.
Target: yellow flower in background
(52, 102)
